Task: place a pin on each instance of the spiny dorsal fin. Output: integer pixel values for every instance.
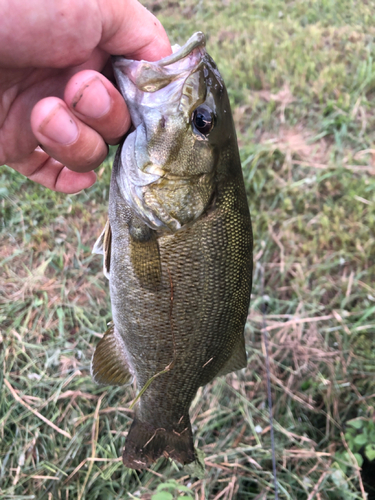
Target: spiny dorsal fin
(237, 361)
(108, 364)
(103, 247)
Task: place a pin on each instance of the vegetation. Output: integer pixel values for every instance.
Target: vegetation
(301, 77)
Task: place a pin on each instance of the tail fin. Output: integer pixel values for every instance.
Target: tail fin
(146, 443)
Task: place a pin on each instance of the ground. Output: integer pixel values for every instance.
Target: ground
(301, 79)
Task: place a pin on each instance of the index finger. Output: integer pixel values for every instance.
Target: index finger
(130, 30)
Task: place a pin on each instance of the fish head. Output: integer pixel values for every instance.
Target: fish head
(170, 162)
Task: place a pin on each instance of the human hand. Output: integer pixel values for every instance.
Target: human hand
(52, 93)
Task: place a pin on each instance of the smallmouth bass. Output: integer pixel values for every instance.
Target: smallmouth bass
(177, 248)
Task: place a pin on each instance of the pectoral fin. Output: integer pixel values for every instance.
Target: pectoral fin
(237, 361)
(109, 365)
(103, 247)
(144, 254)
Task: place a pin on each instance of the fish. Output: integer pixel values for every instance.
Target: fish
(177, 249)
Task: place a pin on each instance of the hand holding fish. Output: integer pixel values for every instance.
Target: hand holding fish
(52, 92)
(177, 249)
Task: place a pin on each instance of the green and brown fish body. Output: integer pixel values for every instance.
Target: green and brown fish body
(177, 249)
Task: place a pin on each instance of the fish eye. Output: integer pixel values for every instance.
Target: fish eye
(203, 119)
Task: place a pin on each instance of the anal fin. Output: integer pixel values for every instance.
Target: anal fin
(109, 365)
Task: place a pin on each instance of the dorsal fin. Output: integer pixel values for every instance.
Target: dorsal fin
(109, 364)
(103, 247)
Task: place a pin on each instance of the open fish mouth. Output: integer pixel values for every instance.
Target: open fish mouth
(146, 84)
(153, 76)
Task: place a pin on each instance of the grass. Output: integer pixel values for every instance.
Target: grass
(301, 78)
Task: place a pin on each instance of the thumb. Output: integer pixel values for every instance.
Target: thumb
(130, 30)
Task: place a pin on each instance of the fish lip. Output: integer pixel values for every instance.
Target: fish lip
(197, 40)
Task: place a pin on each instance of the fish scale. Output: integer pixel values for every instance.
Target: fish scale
(177, 250)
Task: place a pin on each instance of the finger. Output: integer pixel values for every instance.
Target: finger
(65, 33)
(96, 102)
(57, 177)
(64, 137)
(41, 168)
(129, 29)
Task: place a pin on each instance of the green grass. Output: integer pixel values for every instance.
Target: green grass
(301, 78)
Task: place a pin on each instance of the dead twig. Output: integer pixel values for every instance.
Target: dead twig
(94, 439)
(354, 465)
(36, 413)
(316, 487)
